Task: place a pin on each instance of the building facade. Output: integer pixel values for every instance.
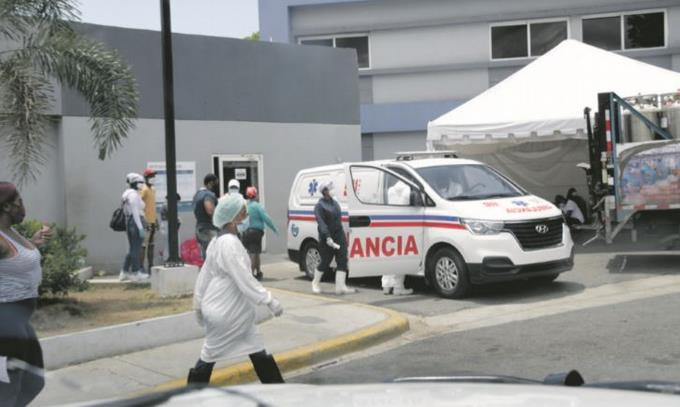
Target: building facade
(420, 59)
(261, 110)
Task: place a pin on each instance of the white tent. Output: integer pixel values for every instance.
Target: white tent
(531, 125)
(545, 99)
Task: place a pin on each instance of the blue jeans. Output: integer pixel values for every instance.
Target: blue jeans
(133, 260)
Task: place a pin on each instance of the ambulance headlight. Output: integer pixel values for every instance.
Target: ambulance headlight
(483, 227)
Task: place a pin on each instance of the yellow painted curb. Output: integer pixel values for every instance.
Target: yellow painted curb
(308, 355)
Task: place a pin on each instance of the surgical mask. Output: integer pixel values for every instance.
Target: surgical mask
(16, 214)
(140, 186)
(150, 181)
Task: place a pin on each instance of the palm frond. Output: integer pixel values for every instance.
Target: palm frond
(100, 76)
(23, 118)
(20, 17)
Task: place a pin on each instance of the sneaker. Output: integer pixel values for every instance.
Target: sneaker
(123, 276)
(139, 276)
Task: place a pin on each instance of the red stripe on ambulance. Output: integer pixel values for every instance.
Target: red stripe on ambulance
(387, 246)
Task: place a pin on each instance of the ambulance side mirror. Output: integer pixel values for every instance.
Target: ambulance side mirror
(416, 198)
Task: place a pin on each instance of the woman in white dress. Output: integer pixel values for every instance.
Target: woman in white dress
(225, 299)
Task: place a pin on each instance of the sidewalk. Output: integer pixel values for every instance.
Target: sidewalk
(312, 329)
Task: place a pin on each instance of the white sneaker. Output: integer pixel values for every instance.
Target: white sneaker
(123, 276)
(139, 276)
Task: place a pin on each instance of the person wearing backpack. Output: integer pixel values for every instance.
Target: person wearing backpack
(133, 208)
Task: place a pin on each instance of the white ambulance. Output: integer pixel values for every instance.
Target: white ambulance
(456, 222)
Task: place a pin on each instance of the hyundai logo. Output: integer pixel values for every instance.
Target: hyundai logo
(542, 229)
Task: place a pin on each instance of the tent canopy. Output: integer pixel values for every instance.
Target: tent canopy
(545, 100)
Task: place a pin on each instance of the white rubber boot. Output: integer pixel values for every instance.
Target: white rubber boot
(399, 288)
(316, 288)
(340, 284)
(387, 282)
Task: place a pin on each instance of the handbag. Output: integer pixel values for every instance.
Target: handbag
(118, 222)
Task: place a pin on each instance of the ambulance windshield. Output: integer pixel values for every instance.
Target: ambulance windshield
(469, 182)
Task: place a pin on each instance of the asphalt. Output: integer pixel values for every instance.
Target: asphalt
(632, 340)
(311, 330)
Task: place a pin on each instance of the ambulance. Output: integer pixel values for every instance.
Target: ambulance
(456, 222)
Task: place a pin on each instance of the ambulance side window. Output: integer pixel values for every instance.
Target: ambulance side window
(376, 187)
(404, 173)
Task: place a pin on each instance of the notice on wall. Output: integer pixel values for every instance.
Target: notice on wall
(240, 174)
(186, 182)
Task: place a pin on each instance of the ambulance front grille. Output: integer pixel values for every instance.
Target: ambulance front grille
(529, 237)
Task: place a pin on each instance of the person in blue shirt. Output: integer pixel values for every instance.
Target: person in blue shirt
(258, 219)
(204, 204)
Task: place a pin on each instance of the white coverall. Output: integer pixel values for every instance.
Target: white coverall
(227, 295)
(397, 194)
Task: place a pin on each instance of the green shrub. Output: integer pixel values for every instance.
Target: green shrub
(62, 256)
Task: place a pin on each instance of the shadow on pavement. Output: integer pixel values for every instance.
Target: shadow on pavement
(644, 264)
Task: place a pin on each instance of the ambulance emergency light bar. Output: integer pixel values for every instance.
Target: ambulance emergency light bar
(419, 155)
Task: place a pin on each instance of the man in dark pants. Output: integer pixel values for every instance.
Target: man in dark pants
(204, 204)
(332, 242)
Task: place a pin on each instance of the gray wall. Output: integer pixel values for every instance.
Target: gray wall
(94, 187)
(438, 50)
(44, 199)
(296, 106)
(385, 145)
(235, 80)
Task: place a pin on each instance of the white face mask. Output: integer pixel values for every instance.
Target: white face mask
(150, 181)
(140, 186)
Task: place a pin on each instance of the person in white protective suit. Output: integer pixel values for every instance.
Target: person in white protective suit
(225, 298)
(397, 194)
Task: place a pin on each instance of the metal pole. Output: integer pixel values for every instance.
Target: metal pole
(169, 110)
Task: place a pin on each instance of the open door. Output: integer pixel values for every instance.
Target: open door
(385, 220)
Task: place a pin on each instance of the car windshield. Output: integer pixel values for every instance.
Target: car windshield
(468, 182)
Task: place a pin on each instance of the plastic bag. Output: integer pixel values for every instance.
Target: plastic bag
(191, 252)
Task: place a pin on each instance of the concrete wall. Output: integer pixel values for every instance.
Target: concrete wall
(235, 80)
(94, 188)
(385, 145)
(437, 50)
(44, 199)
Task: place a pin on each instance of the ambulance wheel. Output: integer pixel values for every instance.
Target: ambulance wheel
(448, 274)
(311, 258)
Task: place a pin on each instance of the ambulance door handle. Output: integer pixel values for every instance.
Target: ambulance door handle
(359, 221)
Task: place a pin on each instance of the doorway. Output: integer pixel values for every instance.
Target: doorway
(246, 168)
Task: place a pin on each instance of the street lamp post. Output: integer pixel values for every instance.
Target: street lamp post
(170, 157)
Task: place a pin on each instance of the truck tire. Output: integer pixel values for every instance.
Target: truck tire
(448, 274)
(310, 259)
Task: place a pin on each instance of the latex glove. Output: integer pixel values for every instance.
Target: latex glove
(332, 244)
(275, 307)
(199, 317)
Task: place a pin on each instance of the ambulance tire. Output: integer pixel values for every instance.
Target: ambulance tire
(446, 266)
(310, 251)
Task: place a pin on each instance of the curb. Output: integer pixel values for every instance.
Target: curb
(308, 355)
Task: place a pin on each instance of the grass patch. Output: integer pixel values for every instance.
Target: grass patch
(103, 305)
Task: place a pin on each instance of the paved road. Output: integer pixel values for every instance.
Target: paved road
(613, 317)
(592, 268)
(626, 341)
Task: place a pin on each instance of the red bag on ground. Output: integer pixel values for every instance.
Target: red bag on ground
(191, 252)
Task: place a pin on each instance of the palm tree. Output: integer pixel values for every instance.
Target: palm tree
(38, 45)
